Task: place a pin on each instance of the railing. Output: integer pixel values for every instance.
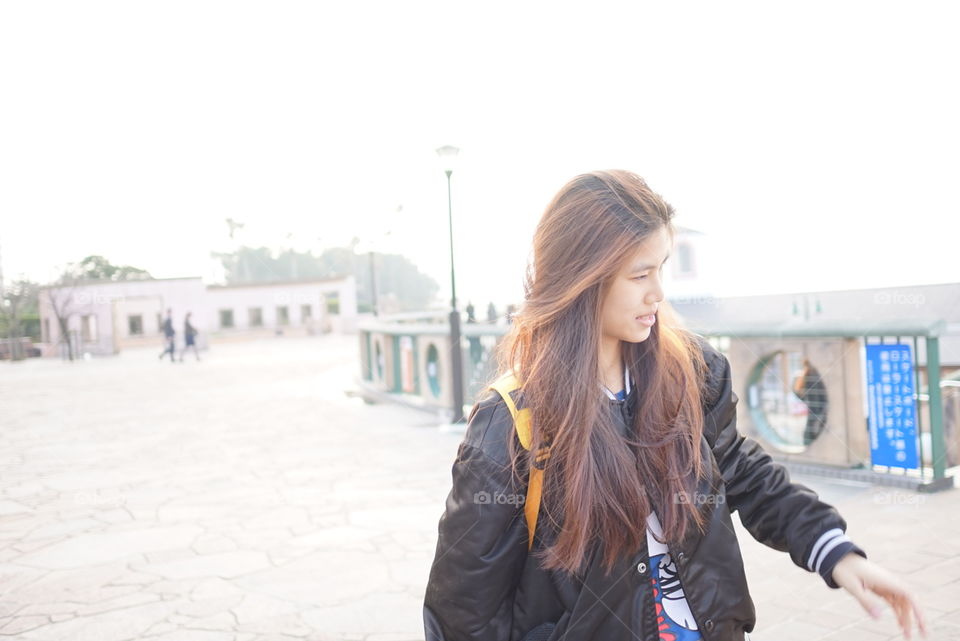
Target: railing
(855, 444)
(406, 358)
(931, 437)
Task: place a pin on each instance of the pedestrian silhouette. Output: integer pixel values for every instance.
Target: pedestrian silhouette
(476, 348)
(809, 387)
(168, 333)
(189, 338)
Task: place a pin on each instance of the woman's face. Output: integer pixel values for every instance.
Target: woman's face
(636, 291)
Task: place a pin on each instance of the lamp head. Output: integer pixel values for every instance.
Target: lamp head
(448, 155)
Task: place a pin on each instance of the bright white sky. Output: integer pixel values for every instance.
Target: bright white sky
(818, 143)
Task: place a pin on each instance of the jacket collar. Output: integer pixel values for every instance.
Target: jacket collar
(626, 381)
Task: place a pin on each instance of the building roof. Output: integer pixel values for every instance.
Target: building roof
(920, 310)
(95, 282)
(92, 282)
(278, 283)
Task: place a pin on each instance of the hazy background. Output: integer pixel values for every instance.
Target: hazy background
(817, 142)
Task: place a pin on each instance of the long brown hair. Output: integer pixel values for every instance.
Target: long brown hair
(598, 485)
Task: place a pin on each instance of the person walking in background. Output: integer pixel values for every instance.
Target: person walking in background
(809, 387)
(189, 338)
(168, 334)
(476, 349)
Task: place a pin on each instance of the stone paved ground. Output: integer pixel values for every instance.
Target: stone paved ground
(247, 497)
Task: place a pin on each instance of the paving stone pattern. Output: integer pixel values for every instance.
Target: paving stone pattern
(247, 497)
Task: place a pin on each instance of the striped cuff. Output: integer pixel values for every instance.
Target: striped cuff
(832, 546)
(837, 553)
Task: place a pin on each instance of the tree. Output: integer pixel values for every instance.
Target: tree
(18, 313)
(99, 268)
(61, 296)
(396, 275)
(61, 300)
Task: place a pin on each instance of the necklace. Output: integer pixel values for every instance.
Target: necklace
(626, 379)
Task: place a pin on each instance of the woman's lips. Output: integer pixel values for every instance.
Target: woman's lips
(648, 320)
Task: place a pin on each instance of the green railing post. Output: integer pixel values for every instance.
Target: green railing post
(416, 365)
(397, 382)
(919, 415)
(368, 374)
(938, 450)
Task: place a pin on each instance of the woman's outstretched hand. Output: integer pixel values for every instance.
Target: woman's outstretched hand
(861, 577)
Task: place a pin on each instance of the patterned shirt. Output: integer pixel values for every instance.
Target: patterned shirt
(674, 619)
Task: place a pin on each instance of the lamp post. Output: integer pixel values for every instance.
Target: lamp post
(447, 155)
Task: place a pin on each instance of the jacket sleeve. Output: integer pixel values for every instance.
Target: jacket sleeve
(785, 516)
(482, 542)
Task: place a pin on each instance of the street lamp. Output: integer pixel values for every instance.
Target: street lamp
(448, 155)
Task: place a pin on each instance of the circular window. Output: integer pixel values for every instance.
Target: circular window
(788, 400)
(433, 369)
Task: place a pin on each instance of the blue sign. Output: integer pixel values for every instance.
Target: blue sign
(891, 406)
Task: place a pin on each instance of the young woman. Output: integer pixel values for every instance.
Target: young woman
(633, 424)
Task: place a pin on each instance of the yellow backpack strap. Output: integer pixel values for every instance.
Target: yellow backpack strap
(521, 422)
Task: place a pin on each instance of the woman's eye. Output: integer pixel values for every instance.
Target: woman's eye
(659, 271)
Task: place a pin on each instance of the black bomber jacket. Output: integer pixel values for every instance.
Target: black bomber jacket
(482, 586)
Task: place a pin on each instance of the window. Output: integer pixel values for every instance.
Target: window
(226, 318)
(306, 312)
(46, 330)
(256, 317)
(135, 324)
(333, 302)
(685, 258)
(787, 397)
(283, 315)
(88, 327)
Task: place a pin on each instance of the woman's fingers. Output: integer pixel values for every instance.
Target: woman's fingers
(869, 583)
(903, 615)
(903, 605)
(892, 595)
(914, 608)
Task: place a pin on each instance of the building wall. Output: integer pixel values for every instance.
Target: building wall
(346, 322)
(844, 440)
(687, 274)
(112, 305)
(108, 309)
(333, 306)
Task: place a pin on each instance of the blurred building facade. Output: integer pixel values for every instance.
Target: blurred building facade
(104, 317)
